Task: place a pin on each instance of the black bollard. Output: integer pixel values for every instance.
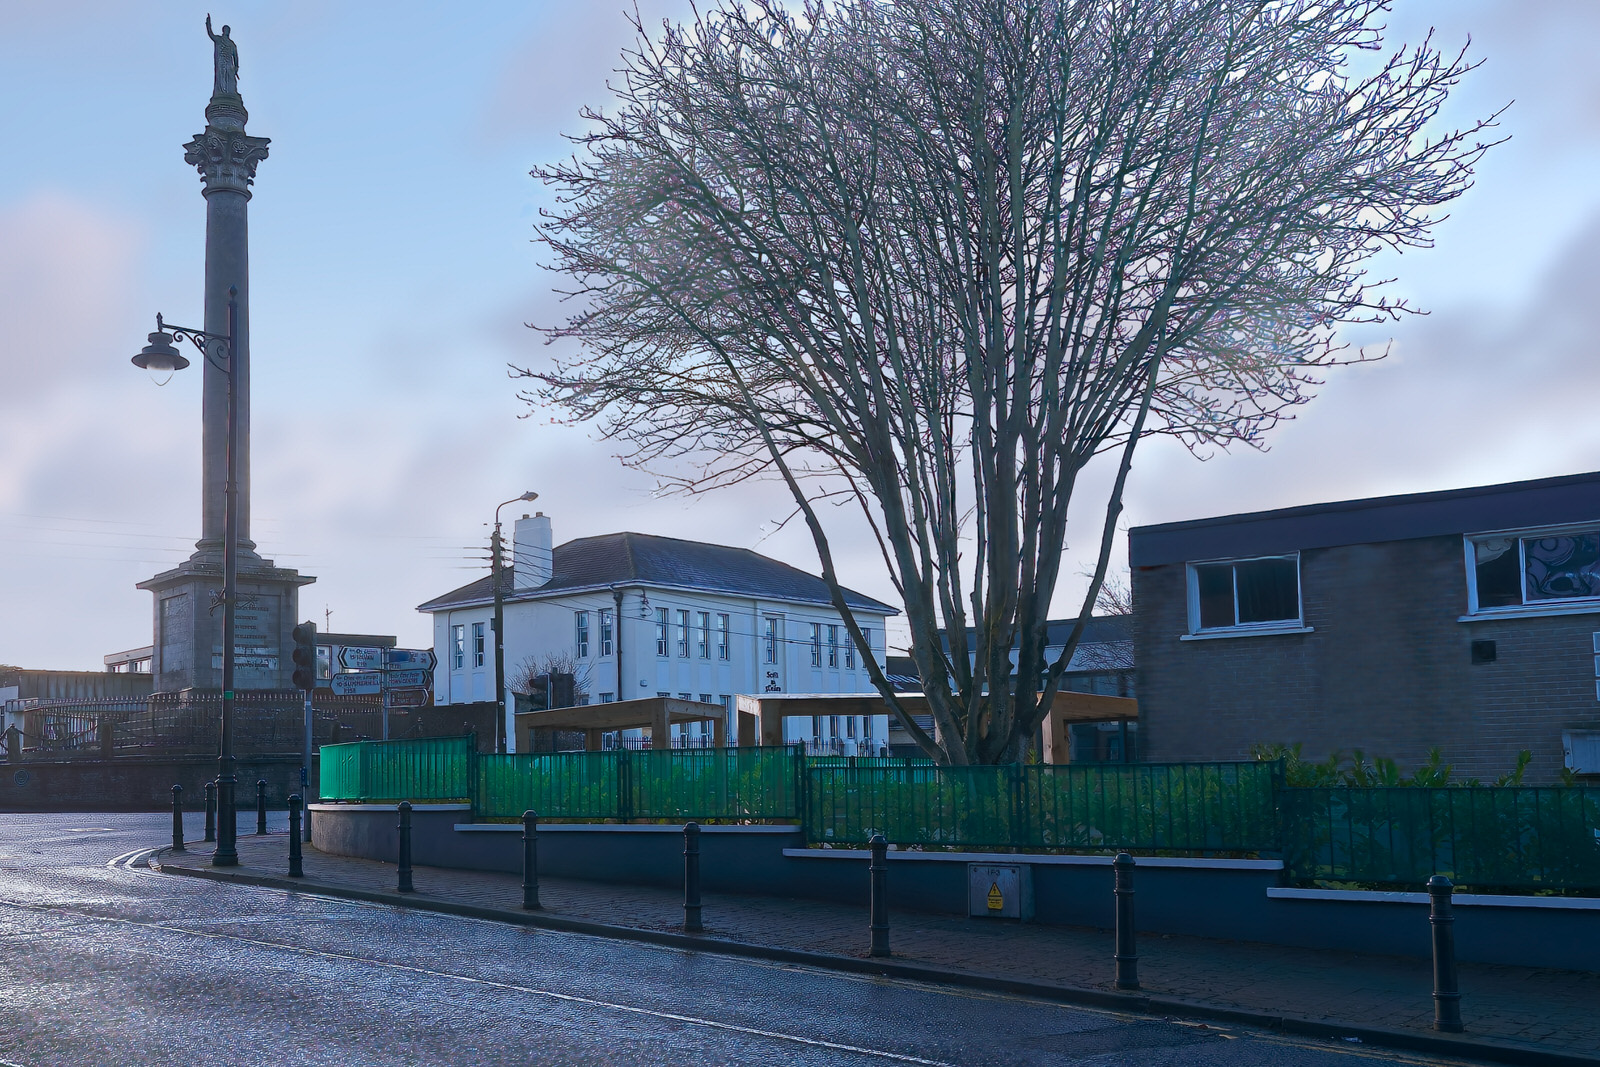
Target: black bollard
(1127, 955)
(177, 818)
(691, 878)
(261, 806)
(530, 860)
(211, 811)
(1446, 992)
(405, 885)
(878, 873)
(296, 862)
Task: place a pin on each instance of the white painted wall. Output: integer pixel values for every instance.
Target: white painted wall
(537, 628)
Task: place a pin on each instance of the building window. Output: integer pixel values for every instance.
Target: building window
(816, 644)
(705, 698)
(606, 698)
(833, 645)
(705, 635)
(1549, 568)
(661, 631)
(477, 644)
(722, 635)
(850, 726)
(605, 633)
(1245, 593)
(458, 646)
(770, 640)
(581, 633)
(849, 654)
(683, 632)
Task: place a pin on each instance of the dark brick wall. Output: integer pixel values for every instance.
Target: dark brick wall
(1387, 669)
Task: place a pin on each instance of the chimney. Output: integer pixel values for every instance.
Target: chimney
(531, 552)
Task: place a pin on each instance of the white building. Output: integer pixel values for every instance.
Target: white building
(640, 615)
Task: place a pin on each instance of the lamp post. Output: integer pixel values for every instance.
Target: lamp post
(157, 357)
(499, 628)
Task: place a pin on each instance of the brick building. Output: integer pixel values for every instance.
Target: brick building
(1467, 620)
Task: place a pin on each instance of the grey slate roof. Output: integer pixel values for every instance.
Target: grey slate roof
(1478, 509)
(634, 559)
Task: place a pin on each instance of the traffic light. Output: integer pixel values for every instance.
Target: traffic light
(305, 656)
(539, 692)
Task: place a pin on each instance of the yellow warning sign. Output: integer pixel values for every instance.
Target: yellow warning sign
(996, 901)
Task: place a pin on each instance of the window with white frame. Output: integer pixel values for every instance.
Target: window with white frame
(683, 632)
(705, 634)
(849, 654)
(458, 646)
(770, 639)
(722, 635)
(477, 644)
(816, 644)
(833, 645)
(1551, 568)
(662, 640)
(580, 621)
(605, 633)
(1245, 594)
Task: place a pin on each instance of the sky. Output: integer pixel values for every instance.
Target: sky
(393, 270)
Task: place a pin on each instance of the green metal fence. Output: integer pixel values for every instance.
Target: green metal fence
(705, 783)
(1193, 807)
(433, 769)
(1484, 837)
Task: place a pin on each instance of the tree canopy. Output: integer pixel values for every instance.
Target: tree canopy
(933, 257)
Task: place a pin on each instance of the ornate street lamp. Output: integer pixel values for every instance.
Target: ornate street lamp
(158, 357)
(499, 629)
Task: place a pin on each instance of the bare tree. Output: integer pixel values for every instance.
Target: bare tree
(1115, 596)
(933, 257)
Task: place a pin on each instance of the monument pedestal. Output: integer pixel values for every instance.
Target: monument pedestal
(188, 625)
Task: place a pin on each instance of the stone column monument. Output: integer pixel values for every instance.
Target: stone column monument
(188, 611)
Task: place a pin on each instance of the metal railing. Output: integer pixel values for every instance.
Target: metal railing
(1189, 807)
(434, 769)
(739, 784)
(1481, 836)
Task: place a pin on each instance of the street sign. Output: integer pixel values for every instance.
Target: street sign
(406, 698)
(349, 685)
(408, 679)
(361, 658)
(415, 658)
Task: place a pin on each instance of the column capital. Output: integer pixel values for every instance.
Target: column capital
(226, 159)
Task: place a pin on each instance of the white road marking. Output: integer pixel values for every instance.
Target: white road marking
(550, 994)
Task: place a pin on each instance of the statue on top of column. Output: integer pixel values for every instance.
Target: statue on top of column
(225, 61)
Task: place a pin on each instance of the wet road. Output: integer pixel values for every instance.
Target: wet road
(105, 962)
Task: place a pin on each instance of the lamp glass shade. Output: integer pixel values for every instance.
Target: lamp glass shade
(159, 357)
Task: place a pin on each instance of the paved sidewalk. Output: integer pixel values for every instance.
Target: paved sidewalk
(1519, 1008)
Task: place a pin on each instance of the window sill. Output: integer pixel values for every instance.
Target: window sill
(1261, 631)
(1531, 611)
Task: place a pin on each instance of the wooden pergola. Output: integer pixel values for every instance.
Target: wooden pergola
(761, 716)
(656, 714)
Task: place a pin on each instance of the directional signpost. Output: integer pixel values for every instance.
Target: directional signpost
(349, 685)
(404, 676)
(353, 658)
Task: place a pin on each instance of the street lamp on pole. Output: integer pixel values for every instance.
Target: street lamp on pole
(499, 627)
(159, 356)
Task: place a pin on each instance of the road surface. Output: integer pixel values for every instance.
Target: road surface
(107, 962)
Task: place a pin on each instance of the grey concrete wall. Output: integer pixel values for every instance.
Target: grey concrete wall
(139, 783)
(1387, 669)
(1226, 903)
